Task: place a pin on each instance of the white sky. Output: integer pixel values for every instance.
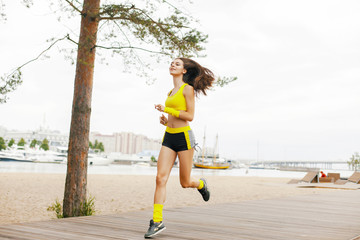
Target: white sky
(297, 97)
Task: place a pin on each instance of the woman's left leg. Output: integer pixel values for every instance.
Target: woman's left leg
(186, 181)
(185, 166)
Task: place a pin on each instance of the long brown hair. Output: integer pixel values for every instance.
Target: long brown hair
(197, 76)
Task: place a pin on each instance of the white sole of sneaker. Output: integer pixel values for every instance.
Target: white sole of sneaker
(156, 233)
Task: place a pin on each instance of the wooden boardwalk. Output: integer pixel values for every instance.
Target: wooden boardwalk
(334, 215)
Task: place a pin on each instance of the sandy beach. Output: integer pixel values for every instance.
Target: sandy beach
(25, 197)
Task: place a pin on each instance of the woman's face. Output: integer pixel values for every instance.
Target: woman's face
(177, 67)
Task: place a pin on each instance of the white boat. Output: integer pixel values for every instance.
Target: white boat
(94, 158)
(14, 155)
(129, 159)
(47, 156)
(98, 160)
(27, 154)
(17, 153)
(59, 156)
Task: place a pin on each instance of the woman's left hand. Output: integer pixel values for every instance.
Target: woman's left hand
(163, 120)
(159, 107)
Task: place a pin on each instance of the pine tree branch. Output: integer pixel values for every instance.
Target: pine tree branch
(160, 25)
(12, 80)
(131, 47)
(34, 59)
(177, 9)
(113, 18)
(157, 23)
(127, 39)
(161, 31)
(142, 12)
(68, 38)
(72, 5)
(106, 11)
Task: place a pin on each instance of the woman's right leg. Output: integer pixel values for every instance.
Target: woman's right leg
(165, 163)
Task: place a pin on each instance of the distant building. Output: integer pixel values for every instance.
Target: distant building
(55, 138)
(125, 142)
(2, 131)
(107, 140)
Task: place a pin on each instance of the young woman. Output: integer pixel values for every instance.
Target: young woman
(189, 79)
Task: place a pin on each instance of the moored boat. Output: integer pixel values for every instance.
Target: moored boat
(18, 154)
(98, 160)
(212, 165)
(207, 161)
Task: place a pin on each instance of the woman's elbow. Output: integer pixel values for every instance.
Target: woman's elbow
(186, 116)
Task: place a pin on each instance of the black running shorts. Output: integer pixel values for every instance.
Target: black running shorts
(179, 139)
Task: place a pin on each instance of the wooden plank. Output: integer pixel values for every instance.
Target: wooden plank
(30, 232)
(333, 215)
(260, 223)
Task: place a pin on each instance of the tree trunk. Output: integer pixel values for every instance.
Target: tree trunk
(76, 177)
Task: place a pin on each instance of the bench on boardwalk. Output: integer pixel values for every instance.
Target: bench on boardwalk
(310, 177)
(354, 178)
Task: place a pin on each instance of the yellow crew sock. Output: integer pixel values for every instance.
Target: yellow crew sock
(158, 216)
(201, 185)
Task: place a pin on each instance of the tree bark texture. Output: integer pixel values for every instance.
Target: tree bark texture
(76, 176)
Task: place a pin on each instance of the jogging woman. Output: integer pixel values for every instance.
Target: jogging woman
(189, 79)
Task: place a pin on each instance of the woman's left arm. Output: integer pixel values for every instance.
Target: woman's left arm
(189, 95)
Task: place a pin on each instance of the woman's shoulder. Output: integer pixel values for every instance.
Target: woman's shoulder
(188, 89)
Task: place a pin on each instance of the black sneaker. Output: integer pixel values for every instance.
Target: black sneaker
(154, 229)
(205, 193)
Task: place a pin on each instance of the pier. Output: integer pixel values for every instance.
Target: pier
(291, 165)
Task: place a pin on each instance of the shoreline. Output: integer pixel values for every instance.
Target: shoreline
(118, 169)
(24, 197)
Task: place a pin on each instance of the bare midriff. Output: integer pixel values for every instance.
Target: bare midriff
(174, 122)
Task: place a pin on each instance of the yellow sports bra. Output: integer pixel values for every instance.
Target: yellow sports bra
(177, 101)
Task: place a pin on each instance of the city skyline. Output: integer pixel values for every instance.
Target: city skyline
(122, 142)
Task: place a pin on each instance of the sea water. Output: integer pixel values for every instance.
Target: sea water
(117, 169)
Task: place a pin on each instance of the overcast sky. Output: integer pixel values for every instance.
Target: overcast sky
(297, 96)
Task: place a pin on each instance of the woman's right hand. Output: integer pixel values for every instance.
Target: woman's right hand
(159, 107)
(163, 120)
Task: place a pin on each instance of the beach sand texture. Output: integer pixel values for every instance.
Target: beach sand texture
(25, 197)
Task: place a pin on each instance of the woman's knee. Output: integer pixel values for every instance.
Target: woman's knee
(185, 183)
(161, 180)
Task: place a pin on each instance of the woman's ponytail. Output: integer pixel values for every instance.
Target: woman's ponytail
(197, 76)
